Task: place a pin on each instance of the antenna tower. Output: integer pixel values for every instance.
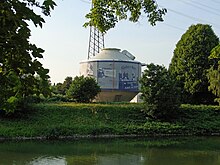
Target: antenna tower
(96, 41)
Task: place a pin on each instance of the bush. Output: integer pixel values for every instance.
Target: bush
(159, 92)
(34, 99)
(83, 89)
(57, 98)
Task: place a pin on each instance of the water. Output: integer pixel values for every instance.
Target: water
(147, 151)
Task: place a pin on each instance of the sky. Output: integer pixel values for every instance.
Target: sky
(66, 41)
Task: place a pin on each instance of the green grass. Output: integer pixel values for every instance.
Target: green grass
(69, 119)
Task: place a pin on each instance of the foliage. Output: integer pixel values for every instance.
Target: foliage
(57, 89)
(214, 73)
(190, 63)
(105, 14)
(83, 89)
(66, 84)
(61, 88)
(200, 119)
(19, 63)
(72, 119)
(159, 92)
(57, 98)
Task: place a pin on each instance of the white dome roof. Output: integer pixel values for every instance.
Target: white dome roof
(113, 54)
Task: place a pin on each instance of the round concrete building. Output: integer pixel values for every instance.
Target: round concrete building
(116, 73)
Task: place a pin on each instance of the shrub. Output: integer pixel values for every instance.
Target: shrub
(159, 92)
(57, 98)
(83, 89)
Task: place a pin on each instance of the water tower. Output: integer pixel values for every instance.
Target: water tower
(116, 71)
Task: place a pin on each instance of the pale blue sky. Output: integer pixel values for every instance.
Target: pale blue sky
(65, 41)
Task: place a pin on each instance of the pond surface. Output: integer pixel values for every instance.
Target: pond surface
(144, 151)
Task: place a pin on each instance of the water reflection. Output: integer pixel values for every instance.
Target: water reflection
(171, 151)
(48, 161)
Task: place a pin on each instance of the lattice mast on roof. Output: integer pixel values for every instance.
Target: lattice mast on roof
(96, 41)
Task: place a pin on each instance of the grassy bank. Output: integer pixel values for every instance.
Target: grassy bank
(70, 119)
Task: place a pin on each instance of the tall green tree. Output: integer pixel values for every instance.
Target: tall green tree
(19, 59)
(214, 73)
(159, 92)
(190, 63)
(106, 13)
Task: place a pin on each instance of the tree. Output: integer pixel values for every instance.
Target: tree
(190, 63)
(159, 92)
(66, 84)
(58, 89)
(83, 89)
(19, 63)
(105, 14)
(214, 73)
(61, 88)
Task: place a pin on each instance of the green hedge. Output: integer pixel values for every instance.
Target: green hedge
(53, 120)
